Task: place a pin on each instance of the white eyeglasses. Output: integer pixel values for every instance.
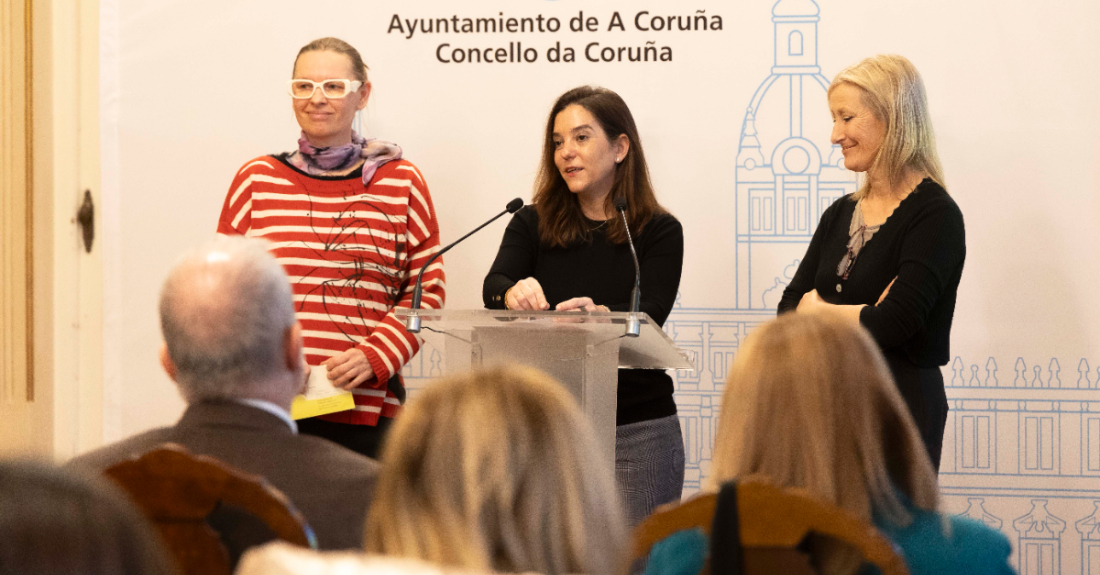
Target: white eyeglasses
(333, 89)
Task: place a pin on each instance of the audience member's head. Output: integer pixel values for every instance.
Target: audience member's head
(54, 522)
(810, 403)
(497, 470)
(227, 315)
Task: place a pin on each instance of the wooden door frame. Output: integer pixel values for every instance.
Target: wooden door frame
(68, 300)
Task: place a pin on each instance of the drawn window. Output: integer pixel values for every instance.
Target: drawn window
(796, 215)
(1039, 558)
(1092, 443)
(720, 362)
(1092, 559)
(760, 210)
(794, 44)
(796, 209)
(826, 197)
(1039, 443)
(975, 442)
(692, 437)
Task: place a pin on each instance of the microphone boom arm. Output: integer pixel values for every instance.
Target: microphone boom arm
(633, 323)
(412, 321)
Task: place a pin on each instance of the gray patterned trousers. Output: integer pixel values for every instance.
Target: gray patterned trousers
(649, 465)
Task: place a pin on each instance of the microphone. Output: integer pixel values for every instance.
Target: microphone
(412, 321)
(633, 324)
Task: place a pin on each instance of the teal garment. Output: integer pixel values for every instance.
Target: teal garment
(971, 549)
(682, 553)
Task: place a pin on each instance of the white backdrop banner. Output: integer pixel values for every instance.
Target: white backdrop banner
(730, 101)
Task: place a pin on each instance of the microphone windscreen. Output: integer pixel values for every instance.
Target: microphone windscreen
(620, 204)
(515, 205)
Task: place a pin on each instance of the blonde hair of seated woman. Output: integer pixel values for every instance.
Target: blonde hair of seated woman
(497, 470)
(810, 404)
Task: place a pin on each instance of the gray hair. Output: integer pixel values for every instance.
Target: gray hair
(224, 312)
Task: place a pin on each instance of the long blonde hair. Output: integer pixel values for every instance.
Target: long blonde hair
(497, 470)
(894, 92)
(810, 404)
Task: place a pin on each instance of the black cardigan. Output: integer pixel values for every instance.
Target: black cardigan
(604, 272)
(922, 244)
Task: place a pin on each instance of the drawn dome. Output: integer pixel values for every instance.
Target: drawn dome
(792, 106)
(795, 8)
(791, 102)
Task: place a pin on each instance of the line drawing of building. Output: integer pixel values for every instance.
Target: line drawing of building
(1027, 445)
(788, 172)
(1021, 448)
(1022, 442)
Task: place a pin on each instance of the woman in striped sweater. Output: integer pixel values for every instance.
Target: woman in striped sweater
(352, 223)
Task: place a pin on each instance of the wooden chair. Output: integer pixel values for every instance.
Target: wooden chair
(770, 523)
(184, 494)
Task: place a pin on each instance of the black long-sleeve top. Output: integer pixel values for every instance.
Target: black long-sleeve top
(604, 272)
(922, 244)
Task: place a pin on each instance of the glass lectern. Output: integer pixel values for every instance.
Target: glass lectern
(582, 350)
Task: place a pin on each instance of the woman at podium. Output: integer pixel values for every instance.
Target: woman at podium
(350, 220)
(889, 256)
(569, 251)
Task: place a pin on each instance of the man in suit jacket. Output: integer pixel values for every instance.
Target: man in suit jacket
(233, 346)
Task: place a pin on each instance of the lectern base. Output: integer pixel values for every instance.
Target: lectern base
(583, 359)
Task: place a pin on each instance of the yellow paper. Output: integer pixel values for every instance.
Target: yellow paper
(320, 397)
(303, 408)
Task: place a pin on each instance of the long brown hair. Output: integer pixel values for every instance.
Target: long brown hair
(561, 221)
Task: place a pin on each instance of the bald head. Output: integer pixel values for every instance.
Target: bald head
(226, 311)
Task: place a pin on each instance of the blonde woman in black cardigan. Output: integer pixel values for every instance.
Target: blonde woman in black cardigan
(889, 256)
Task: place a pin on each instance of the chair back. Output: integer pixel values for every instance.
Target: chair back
(184, 494)
(770, 525)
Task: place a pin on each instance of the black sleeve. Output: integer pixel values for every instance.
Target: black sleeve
(803, 280)
(933, 249)
(515, 259)
(661, 259)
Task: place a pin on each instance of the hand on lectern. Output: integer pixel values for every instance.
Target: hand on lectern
(580, 304)
(526, 295)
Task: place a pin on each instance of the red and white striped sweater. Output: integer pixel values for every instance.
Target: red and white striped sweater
(352, 253)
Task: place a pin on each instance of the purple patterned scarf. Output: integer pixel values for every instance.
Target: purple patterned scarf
(321, 161)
